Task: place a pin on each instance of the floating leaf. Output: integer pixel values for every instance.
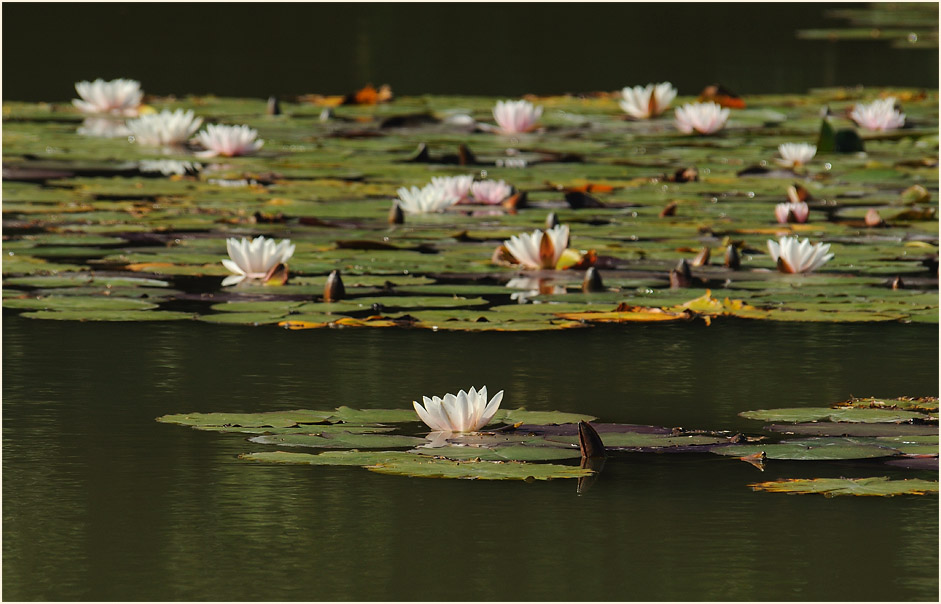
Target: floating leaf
(827, 428)
(831, 487)
(513, 416)
(848, 414)
(648, 442)
(108, 315)
(504, 453)
(339, 440)
(409, 464)
(811, 449)
(328, 458)
(271, 419)
(421, 467)
(78, 303)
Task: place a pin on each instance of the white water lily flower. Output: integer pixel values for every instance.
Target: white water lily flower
(880, 114)
(465, 412)
(491, 192)
(253, 259)
(425, 200)
(515, 117)
(796, 154)
(118, 97)
(539, 250)
(169, 167)
(784, 212)
(704, 118)
(642, 102)
(228, 141)
(103, 127)
(455, 186)
(164, 128)
(794, 256)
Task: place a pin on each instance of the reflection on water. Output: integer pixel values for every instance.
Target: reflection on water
(101, 502)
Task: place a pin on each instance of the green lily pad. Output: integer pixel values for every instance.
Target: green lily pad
(422, 467)
(409, 464)
(328, 458)
(78, 303)
(513, 416)
(811, 449)
(374, 416)
(848, 414)
(880, 486)
(242, 318)
(854, 429)
(83, 279)
(339, 440)
(271, 419)
(644, 442)
(504, 453)
(109, 315)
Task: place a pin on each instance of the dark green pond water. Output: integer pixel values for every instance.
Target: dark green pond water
(443, 48)
(100, 502)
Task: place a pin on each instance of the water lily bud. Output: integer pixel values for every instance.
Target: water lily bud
(873, 219)
(396, 215)
(897, 283)
(274, 108)
(552, 220)
(914, 194)
(326, 115)
(578, 200)
(681, 276)
(592, 281)
(797, 193)
(421, 155)
(931, 264)
(732, 258)
(669, 210)
(276, 275)
(333, 289)
(589, 443)
(515, 202)
(690, 174)
(465, 157)
(702, 258)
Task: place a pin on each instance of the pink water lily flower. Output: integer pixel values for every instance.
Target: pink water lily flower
(117, 97)
(792, 212)
(643, 102)
(880, 114)
(464, 412)
(540, 249)
(491, 192)
(228, 141)
(704, 118)
(795, 256)
(454, 186)
(515, 117)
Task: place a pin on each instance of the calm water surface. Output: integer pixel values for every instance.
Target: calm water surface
(247, 49)
(102, 503)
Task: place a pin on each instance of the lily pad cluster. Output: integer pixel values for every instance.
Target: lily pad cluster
(103, 229)
(540, 445)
